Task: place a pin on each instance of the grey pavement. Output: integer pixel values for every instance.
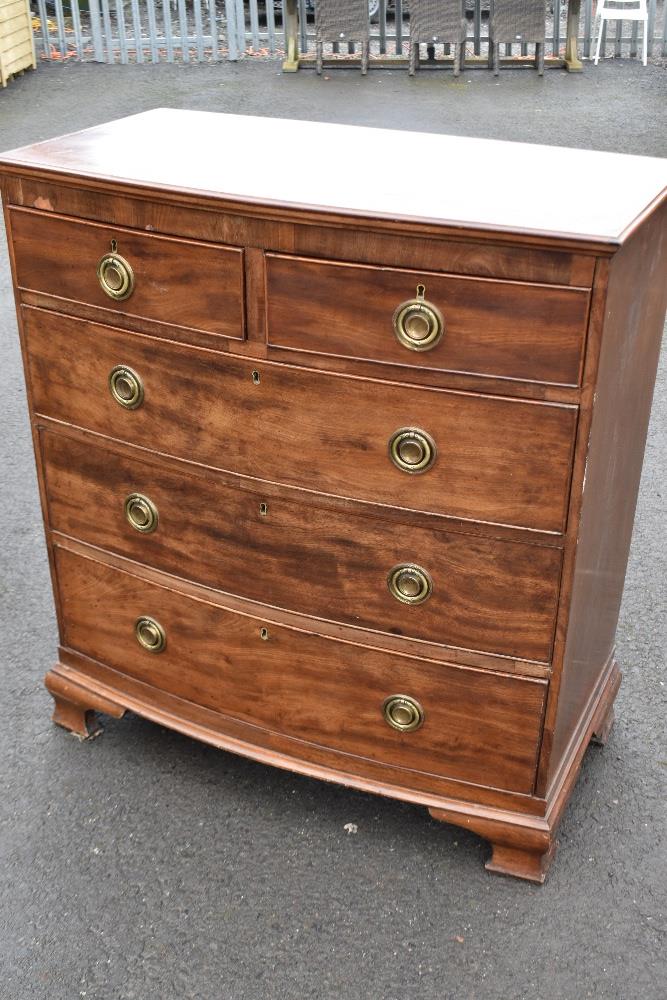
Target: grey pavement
(143, 865)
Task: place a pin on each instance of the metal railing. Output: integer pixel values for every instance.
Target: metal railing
(140, 31)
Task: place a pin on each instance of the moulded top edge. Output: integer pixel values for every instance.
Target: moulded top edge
(443, 180)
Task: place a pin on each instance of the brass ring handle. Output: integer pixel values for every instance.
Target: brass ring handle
(409, 583)
(115, 276)
(418, 324)
(412, 450)
(150, 635)
(402, 712)
(126, 387)
(141, 513)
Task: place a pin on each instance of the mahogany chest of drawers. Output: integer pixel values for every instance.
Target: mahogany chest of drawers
(335, 474)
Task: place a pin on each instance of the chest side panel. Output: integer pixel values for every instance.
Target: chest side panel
(633, 325)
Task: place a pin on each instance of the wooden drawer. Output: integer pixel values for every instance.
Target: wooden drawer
(479, 727)
(487, 595)
(498, 460)
(183, 283)
(497, 328)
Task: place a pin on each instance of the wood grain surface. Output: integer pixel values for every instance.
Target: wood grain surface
(499, 460)
(143, 210)
(315, 689)
(508, 329)
(178, 282)
(488, 595)
(626, 377)
(260, 327)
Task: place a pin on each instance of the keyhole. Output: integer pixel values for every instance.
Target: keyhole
(255, 377)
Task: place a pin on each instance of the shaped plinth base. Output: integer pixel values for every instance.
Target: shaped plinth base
(75, 707)
(523, 849)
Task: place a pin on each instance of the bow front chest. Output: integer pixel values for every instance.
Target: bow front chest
(337, 475)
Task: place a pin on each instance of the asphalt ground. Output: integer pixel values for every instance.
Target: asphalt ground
(143, 865)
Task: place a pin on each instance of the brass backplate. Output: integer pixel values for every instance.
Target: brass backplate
(141, 513)
(115, 276)
(418, 324)
(412, 450)
(409, 583)
(150, 634)
(402, 712)
(126, 387)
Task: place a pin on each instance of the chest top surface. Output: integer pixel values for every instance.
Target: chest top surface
(449, 181)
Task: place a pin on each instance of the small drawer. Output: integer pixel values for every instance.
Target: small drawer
(466, 724)
(180, 282)
(476, 593)
(458, 454)
(507, 329)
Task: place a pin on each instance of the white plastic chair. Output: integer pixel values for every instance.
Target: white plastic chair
(616, 10)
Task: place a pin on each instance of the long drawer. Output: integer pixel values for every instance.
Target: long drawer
(422, 319)
(185, 283)
(314, 689)
(481, 594)
(489, 459)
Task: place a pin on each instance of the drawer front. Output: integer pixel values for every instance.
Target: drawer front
(181, 282)
(497, 460)
(485, 594)
(499, 328)
(478, 727)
